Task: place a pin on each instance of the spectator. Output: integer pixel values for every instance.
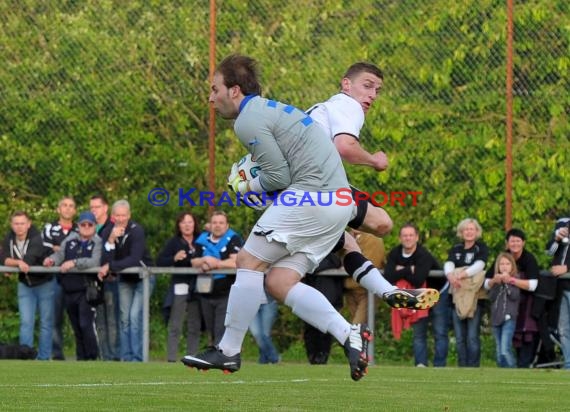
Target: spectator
(409, 265)
(219, 248)
(526, 334)
(261, 327)
(318, 344)
(504, 297)
(557, 247)
(356, 296)
(53, 235)
(464, 269)
(181, 300)
(23, 248)
(125, 247)
(77, 252)
(107, 316)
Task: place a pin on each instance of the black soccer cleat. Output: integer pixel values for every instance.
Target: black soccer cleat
(411, 298)
(213, 358)
(356, 350)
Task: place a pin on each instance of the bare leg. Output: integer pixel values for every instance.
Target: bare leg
(376, 222)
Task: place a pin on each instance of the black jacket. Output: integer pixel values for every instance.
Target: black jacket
(421, 259)
(33, 255)
(560, 251)
(166, 258)
(130, 250)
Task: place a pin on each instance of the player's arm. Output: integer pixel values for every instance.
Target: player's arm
(255, 133)
(351, 151)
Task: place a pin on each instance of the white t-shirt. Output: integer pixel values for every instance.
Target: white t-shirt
(341, 114)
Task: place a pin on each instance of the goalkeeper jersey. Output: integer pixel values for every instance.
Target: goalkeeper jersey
(291, 149)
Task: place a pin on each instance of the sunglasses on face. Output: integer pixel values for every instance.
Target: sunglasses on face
(86, 224)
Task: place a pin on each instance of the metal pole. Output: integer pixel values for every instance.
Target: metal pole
(371, 322)
(145, 275)
(509, 120)
(212, 113)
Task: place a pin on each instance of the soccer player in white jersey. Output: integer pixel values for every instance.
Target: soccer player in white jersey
(342, 117)
(286, 242)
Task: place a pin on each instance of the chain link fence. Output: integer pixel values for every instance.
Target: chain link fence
(111, 97)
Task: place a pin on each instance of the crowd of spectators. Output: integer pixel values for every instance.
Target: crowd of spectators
(526, 310)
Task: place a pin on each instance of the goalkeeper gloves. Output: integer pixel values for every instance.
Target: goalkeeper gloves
(235, 181)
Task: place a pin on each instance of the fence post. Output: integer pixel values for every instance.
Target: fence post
(371, 322)
(145, 275)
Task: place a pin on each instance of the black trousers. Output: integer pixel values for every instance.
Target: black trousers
(82, 317)
(317, 344)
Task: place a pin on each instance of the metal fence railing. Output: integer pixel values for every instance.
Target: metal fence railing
(146, 272)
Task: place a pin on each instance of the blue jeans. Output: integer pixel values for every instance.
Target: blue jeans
(261, 327)
(107, 321)
(468, 337)
(564, 327)
(439, 316)
(504, 339)
(131, 319)
(58, 321)
(29, 299)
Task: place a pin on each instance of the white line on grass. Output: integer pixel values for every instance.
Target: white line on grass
(475, 382)
(107, 384)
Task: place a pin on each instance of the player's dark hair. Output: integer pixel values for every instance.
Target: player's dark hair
(363, 67)
(241, 71)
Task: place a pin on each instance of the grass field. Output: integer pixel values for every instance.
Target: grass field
(109, 386)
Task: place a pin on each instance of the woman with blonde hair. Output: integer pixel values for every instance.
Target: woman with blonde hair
(464, 269)
(504, 297)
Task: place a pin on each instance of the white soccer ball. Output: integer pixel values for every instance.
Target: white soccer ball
(248, 168)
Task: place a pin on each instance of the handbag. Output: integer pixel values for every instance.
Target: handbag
(94, 292)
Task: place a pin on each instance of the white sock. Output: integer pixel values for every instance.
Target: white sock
(246, 294)
(364, 272)
(376, 283)
(312, 306)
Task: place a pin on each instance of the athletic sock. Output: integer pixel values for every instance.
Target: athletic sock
(312, 306)
(366, 274)
(246, 295)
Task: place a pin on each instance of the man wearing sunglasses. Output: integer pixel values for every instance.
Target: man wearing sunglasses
(80, 251)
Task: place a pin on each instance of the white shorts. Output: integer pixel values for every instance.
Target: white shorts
(310, 228)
